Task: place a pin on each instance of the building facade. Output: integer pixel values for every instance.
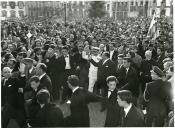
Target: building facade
(121, 9)
(12, 9)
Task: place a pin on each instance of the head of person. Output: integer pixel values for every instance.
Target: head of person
(102, 47)
(126, 62)
(73, 81)
(157, 73)
(6, 72)
(20, 56)
(111, 46)
(43, 96)
(28, 62)
(159, 51)
(105, 55)
(111, 82)
(34, 82)
(11, 63)
(148, 55)
(167, 65)
(124, 98)
(65, 51)
(120, 59)
(170, 72)
(41, 68)
(150, 47)
(94, 51)
(80, 47)
(131, 54)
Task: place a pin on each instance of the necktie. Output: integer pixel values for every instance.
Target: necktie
(123, 118)
(109, 93)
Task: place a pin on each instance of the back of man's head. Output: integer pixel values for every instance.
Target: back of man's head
(43, 96)
(73, 80)
(125, 95)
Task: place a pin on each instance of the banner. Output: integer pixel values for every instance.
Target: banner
(152, 31)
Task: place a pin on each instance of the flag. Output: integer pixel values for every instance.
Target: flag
(152, 29)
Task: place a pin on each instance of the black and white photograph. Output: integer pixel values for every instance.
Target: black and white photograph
(86, 63)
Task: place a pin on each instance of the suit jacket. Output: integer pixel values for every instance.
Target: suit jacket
(120, 74)
(160, 61)
(157, 93)
(114, 56)
(131, 81)
(104, 70)
(79, 108)
(48, 116)
(10, 93)
(134, 118)
(113, 110)
(29, 75)
(46, 82)
(146, 67)
(71, 61)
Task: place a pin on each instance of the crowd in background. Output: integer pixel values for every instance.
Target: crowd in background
(43, 55)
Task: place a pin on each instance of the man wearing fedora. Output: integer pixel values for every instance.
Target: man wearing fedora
(157, 95)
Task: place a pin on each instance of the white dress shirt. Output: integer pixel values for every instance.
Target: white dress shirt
(93, 70)
(111, 54)
(127, 109)
(67, 58)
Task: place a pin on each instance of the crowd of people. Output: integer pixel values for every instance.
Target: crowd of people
(115, 63)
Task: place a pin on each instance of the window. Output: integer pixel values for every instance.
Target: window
(12, 13)
(21, 14)
(4, 13)
(132, 3)
(141, 3)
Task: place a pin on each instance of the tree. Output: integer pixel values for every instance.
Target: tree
(97, 9)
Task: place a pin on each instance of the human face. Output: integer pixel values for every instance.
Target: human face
(34, 85)
(80, 47)
(65, 52)
(126, 64)
(111, 47)
(120, 60)
(120, 102)
(6, 73)
(19, 58)
(112, 85)
(148, 56)
(158, 51)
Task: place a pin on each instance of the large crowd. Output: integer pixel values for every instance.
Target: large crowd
(116, 63)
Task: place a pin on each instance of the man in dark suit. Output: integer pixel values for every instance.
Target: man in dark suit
(131, 79)
(49, 114)
(105, 68)
(30, 70)
(79, 104)
(82, 66)
(120, 71)
(11, 102)
(146, 67)
(113, 53)
(157, 94)
(130, 115)
(113, 109)
(45, 80)
(67, 63)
